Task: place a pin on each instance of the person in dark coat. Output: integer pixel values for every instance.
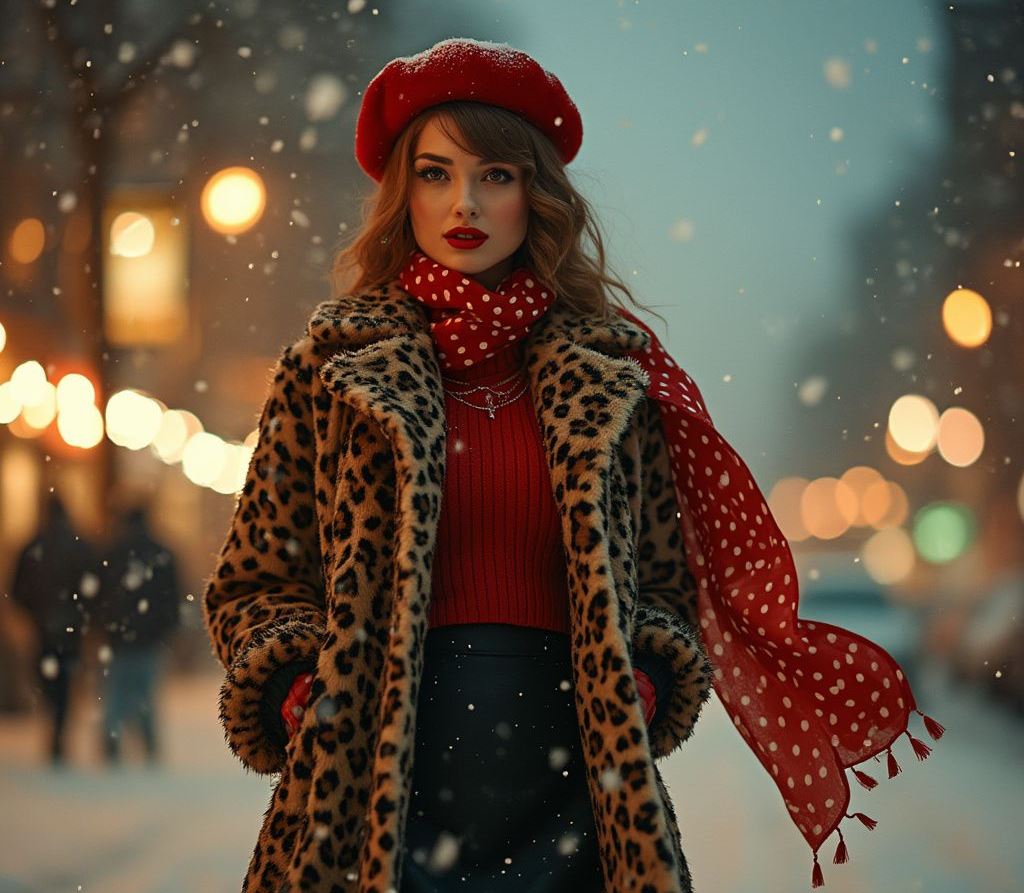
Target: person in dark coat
(55, 581)
(139, 612)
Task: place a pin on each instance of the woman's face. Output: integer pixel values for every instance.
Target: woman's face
(453, 190)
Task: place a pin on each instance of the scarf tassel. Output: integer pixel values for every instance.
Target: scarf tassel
(817, 878)
(921, 750)
(865, 820)
(894, 767)
(842, 854)
(934, 729)
(866, 781)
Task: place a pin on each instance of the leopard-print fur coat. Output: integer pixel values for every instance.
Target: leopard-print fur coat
(328, 559)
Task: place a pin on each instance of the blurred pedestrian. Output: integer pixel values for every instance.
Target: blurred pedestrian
(54, 579)
(139, 613)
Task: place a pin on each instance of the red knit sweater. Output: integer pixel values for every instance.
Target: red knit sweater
(499, 556)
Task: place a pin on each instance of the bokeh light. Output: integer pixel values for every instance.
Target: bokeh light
(233, 200)
(784, 501)
(41, 412)
(902, 456)
(943, 531)
(913, 423)
(27, 240)
(967, 318)
(80, 425)
(168, 444)
(132, 235)
(10, 405)
(204, 458)
(3, 337)
(828, 507)
(858, 479)
(28, 383)
(961, 437)
(885, 504)
(236, 464)
(132, 419)
(888, 556)
(74, 389)
(172, 436)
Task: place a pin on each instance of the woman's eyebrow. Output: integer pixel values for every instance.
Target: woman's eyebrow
(440, 159)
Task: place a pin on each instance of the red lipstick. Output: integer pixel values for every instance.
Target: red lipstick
(465, 237)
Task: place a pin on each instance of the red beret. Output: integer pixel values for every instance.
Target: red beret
(463, 69)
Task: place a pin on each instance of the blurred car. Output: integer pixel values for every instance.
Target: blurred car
(990, 651)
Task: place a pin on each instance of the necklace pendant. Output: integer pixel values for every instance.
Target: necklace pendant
(489, 400)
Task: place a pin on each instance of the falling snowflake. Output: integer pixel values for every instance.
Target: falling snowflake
(558, 757)
(445, 853)
(682, 230)
(812, 390)
(89, 585)
(611, 780)
(837, 73)
(325, 95)
(568, 843)
(49, 666)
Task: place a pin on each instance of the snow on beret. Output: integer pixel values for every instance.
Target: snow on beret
(462, 69)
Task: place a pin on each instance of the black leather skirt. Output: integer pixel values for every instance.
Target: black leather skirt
(499, 794)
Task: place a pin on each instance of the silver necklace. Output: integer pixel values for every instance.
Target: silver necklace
(492, 405)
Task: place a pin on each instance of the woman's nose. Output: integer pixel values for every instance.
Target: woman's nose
(466, 204)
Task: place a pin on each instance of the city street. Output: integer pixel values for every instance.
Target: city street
(945, 825)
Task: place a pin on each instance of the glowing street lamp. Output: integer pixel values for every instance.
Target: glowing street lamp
(145, 274)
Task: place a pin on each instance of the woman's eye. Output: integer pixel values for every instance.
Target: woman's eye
(506, 176)
(428, 174)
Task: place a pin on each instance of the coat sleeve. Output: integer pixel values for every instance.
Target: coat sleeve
(264, 603)
(666, 632)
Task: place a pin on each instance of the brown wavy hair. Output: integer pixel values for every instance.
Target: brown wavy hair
(563, 243)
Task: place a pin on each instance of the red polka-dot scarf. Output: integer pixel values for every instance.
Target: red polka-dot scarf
(810, 699)
(490, 319)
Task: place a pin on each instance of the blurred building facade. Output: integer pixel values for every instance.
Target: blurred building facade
(113, 122)
(957, 222)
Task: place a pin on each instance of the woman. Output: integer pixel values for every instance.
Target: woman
(436, 610)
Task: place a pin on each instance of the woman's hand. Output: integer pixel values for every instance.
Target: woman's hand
(647, 692)
(295, 703)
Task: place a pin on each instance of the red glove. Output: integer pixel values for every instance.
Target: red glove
(646, 689)
(295, 703)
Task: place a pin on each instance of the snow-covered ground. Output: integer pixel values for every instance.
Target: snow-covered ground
(947, 825)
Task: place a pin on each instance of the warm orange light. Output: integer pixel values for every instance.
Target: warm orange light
(961, 437)
(828, 507)
(784, 502)
(27, 240)
(132, 235)
(902, 456)
(858, 479)
(967, 317)
(889, 556)
(885, 505)
(913, 423)
(233, 200)
(80, 425)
